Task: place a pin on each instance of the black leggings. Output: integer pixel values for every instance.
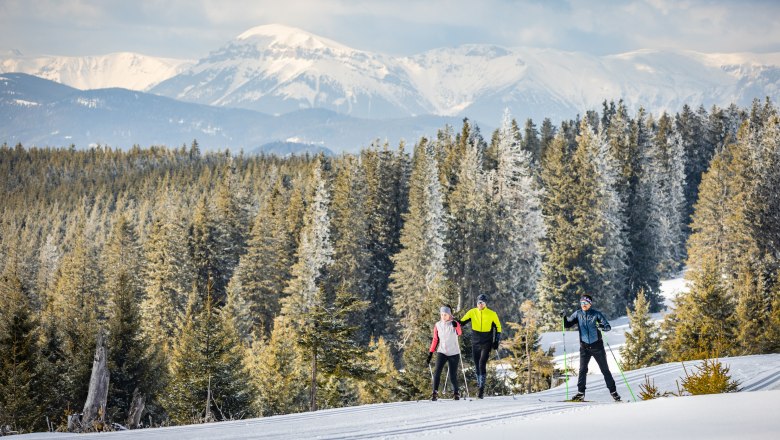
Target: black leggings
(596, 351)
(452, 361)
(481, 353)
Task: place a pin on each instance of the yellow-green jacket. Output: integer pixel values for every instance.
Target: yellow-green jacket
(483, 324)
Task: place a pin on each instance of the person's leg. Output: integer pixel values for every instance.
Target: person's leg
(584, 361)
(601, 359)
(452, 361)
(475, 354)
(441, 359)
(484, 355)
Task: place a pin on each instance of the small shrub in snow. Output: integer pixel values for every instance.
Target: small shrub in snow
(712, 377)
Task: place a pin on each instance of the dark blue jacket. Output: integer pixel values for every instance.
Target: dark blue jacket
(588, 322)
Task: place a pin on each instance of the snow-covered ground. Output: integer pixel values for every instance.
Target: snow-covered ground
(744, 415)
(749, 414)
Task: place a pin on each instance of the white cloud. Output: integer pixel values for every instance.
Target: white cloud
(191, 28)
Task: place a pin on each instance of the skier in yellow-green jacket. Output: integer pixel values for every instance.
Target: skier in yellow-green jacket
(485, 334)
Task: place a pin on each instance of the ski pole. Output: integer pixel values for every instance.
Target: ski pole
(618, 365)
(465, 382)
(565, 369)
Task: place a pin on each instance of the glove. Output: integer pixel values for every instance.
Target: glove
(563, 314)
(495, 342)
(454, 323)
(430, 355)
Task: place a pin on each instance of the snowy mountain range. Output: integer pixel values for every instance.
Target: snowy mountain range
(40, 112)
(279, 70)
(125, 69)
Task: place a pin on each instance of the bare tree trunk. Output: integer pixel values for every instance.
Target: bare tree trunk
(95, 407)
(136, 409)
(313, 391)
(208, 417)
(528, 355)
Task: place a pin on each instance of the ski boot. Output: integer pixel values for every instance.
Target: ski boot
(481, 393)
(579, 397)
(615, 396)
(435, 396)
(455, 396)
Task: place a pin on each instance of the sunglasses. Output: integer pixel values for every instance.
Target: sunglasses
(481, 302)
(582, 303)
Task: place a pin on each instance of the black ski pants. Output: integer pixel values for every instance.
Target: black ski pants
(452, 361)
(481, 353)
(596, 351)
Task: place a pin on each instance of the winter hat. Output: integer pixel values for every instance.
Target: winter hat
(587, 299)
(482, 298)
(445, 309)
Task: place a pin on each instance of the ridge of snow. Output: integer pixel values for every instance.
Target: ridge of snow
(121, 69)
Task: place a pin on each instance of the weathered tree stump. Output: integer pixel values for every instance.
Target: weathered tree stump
(95, 407)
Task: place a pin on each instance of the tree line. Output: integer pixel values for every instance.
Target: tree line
(230, 286)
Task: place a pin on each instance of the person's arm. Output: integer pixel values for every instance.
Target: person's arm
(458, 328)
(497, 326)
(435, 342)
(466, 318)
(569, 321)
(602, 322)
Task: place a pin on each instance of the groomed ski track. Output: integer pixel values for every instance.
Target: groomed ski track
(412, 419)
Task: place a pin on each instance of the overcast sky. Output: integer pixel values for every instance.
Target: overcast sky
(193, 28)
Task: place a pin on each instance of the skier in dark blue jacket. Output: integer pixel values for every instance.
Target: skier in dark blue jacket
(590, 321)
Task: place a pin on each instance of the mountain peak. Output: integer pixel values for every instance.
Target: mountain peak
(288, 36)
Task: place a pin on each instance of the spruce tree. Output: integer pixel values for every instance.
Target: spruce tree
(419, 277)
(643, 342)
(277, 372)
(516, 223)
(208, 377)
(387, 180)
(21, 394)
(533, 367)
(351, 255)
(702, 324)
(382, 386)
(133, 365)
(77, 311)
(257, 285)
(467, 248)
(168, 276)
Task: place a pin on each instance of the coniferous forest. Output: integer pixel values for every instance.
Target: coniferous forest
(222, 286)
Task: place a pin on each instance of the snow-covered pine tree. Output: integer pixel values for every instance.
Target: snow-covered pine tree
(467, 248)
(643, 341)
(609, 263)
(562, 277)
(419, 277)
(134, 365)
(670, 164)
(168, 276)
(255, 290)
(387, 180)
(76, 312)
(516, 222)
(351, 254)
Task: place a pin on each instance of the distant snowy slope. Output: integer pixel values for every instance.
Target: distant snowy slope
(127, 70)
